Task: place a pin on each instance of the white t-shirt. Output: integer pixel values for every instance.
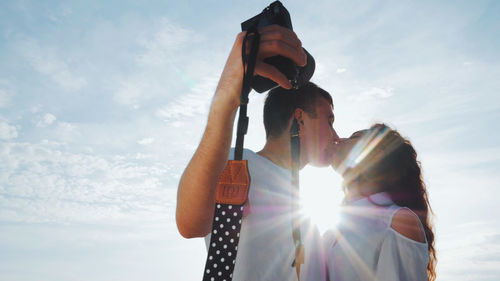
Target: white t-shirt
(365, 247)
(266, 250)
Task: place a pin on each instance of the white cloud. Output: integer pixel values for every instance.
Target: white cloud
(46, 183)
(160, 65)
(195, 103)
(146, 141)
(4, 98)
(466, 159)
(36, 108)
(169, 38)
(142, 156)
(67, 131)
(130, 92)
(375, 93)
(472, 255)
(60, 14)
(7, 131)
(46, 120)
(6, 93)
(341, 70)
(439, 107)
(47, 62)
(61, 131)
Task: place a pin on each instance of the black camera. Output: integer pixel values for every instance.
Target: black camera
(276, 13)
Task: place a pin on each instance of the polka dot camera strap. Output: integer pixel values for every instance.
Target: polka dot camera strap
(231, 195)
(233, 185)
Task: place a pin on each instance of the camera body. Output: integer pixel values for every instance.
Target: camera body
(276, 13)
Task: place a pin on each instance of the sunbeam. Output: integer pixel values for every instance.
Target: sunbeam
(321, 195)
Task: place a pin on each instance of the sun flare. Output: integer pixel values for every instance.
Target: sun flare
(321, 195)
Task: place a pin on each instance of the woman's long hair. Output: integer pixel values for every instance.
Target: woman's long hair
(391, 163)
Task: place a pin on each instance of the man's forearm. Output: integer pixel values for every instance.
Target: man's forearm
(196, 194)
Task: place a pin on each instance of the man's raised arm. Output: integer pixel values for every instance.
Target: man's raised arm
(196, 193)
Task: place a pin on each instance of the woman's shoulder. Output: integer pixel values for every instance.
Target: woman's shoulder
(405, 222)
(400, 219)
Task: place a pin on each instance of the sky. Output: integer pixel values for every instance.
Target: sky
(102, 104)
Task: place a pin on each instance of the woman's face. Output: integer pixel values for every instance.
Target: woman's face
(343, 151)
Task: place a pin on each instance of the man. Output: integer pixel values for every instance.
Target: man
(266, 249)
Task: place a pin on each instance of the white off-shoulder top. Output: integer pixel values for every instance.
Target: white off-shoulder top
(365, 247)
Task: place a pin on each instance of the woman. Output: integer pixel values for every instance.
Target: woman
(385, 232)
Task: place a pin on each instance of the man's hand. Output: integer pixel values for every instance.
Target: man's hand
(196, 193)
(274, 40)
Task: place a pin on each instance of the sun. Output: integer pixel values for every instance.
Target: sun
(321, 195)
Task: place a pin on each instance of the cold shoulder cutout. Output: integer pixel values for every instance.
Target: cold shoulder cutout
(407, 223)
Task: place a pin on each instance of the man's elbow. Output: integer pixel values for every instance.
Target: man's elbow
(186, 232)
(190, 230)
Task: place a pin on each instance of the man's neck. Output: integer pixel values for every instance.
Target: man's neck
(277, 150)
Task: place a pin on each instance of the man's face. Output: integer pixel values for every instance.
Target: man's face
(317, 133)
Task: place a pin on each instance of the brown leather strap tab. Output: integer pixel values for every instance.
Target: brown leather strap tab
(234, 183)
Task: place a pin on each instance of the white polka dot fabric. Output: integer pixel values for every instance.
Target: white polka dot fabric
(223, 243)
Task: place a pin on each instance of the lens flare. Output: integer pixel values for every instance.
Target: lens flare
(321, 195)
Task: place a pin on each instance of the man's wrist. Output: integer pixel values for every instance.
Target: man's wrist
(224, 102)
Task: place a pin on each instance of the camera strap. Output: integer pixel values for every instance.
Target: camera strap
(297, 240)
(248, 71)
(233, 184)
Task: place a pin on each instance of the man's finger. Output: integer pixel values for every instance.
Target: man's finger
(276, 47)
(271, 72)
(278, 28)
(284, 35)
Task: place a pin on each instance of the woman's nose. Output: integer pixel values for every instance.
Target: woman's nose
(335, 136)
(339, 140)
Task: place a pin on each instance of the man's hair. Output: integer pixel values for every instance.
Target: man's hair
(280, 105)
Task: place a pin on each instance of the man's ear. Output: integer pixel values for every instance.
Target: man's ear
(298, 114)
